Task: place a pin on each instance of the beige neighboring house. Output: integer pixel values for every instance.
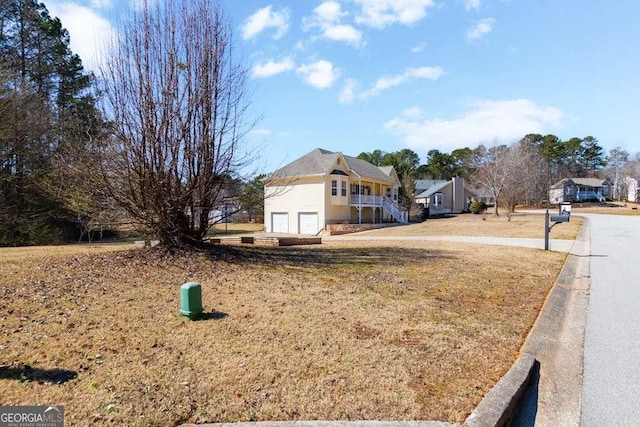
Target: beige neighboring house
(323, 187)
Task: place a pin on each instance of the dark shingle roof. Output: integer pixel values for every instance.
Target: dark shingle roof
(318, 162)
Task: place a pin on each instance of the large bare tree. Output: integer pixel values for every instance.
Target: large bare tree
(177, 98)
(503, 170)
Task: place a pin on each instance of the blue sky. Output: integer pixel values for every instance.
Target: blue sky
(360, 75)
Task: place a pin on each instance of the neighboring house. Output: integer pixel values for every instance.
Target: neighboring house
(580, 190)
(445, 197)
(224, 212)
(483, 195)
(424, 184)
(323, 187)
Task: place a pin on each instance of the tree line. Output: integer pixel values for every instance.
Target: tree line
(519, 173)
(153, 138)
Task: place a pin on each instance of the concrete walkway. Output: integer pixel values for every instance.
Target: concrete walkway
(611, 386)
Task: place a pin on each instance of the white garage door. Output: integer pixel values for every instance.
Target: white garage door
(308, 223)
(279, 223)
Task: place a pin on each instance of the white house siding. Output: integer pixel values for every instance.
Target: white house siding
(303, 196)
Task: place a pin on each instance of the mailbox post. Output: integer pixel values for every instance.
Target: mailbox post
(556, 219)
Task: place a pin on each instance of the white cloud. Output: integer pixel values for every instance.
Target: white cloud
(480, 29)
(328, 18)
(386, 82)
(484, 122)
(472, 4)
(419, 48)
(329, 11)
(320, 74)
(272, 68)
(89, 32)
(348, 93)
(264, 19)
(345, 33)
(380, 13)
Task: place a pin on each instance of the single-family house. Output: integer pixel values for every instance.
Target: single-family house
(581, 190)
(421, 185)
(325, 187)
(445, 197)
(484, 195)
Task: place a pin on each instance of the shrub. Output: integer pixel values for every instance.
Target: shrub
(477, 207)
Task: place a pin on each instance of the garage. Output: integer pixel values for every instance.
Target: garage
(308, 223)
(279, 222)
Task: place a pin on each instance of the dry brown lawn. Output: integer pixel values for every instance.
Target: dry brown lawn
(520, 225)
(612, 209)
(393, 330)
(236, 228)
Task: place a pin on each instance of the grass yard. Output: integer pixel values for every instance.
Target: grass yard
(235, 228)
(615, 208)
(345, 330)
(520, 225)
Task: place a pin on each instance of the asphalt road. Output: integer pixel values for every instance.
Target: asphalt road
(611, 384)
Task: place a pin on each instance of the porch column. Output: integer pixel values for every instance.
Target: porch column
(359, 200)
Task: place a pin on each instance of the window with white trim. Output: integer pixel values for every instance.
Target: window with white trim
(344, 188)
(334, 187)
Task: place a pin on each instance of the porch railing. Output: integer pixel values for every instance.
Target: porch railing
(361, 199)
(394, 210)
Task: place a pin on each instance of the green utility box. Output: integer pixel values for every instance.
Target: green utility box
(191, 300)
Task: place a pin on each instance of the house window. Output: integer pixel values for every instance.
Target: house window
(344, 188)
(437, 199)
(334, 187)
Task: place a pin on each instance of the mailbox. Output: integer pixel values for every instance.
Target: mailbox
(560, 218)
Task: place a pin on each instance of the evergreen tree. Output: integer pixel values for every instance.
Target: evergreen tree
(46, 105)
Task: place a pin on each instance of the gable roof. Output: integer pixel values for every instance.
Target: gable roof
(425, 184)
(588, 182)
(319, 161)
(434, 189)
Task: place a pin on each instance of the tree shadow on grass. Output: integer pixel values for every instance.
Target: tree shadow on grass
(25, 373)
(319, 256)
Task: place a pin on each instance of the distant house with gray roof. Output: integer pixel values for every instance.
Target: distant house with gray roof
(324, 187)
(443, 197)
(581, 190)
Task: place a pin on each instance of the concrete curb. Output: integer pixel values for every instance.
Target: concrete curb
(499, 405)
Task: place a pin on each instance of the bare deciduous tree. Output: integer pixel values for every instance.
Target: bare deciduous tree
(502, 169)
(177, 99)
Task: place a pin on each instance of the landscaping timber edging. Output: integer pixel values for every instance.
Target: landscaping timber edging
(266, 240)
